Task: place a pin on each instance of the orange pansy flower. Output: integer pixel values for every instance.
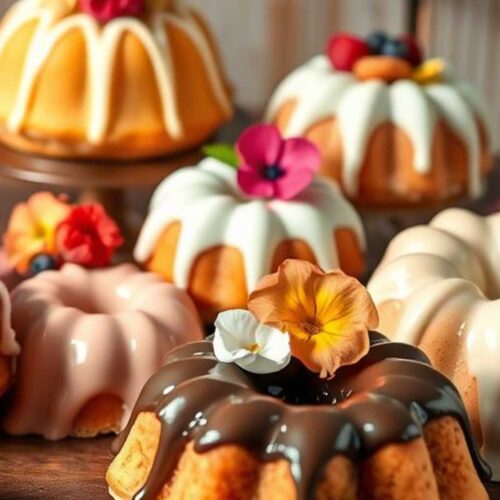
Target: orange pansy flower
(327, 315)
(31, 229)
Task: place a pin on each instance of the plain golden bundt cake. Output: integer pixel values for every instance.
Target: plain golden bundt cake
(247, 416)
(393, 130)
(207, 233)
(128, 79)
(438, 287)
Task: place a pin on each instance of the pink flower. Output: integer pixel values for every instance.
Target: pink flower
(272, 167)
(106, 10)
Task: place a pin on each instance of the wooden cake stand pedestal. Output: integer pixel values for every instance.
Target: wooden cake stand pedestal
(95, 181)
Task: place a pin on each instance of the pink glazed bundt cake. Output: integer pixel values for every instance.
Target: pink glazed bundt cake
(438, 287)
(393, 130)
(90, 339)
(8, 345)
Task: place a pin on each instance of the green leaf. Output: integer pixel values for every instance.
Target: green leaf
(222, 152)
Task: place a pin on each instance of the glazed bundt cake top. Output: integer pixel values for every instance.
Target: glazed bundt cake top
(385, 398)
(307, 384)
(147, 21)
(327, 88)
(451, 265)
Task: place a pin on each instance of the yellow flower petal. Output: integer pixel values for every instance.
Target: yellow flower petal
(31, 229)
(327, 315)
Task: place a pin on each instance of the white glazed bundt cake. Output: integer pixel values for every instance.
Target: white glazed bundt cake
(392, 130)
(438, 287)
(128, 79)
(208, 237)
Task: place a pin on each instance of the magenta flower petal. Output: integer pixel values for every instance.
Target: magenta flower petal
(292, 183)
(253, 184)
(300, 154)
(260, 145)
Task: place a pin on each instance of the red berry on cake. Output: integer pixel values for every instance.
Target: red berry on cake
(414, 53)
(345, 49)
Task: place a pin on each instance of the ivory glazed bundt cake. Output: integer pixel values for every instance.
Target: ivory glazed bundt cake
(225, 419)
(128, 79)
(393, 130)
(90, 339)
(215, 231)
(438, 287)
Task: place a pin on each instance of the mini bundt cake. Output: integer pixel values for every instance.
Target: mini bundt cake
(295, 398)
(206, 236)
(389, 427)
(128, 79)
(393, 131)
(8, 345)
(437, 287)
(90, 339)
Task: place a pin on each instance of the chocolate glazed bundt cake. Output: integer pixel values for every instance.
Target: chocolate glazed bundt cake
(386, 427)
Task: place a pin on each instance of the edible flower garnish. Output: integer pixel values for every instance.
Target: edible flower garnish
(88, 236)
(327, 315)
(45, 232)
(31, 229)
(273, 167)
(106, 10)
(257, 348)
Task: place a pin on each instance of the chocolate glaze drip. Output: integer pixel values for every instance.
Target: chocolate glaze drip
(385, 398)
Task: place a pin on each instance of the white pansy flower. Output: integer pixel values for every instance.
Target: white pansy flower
(241, 339)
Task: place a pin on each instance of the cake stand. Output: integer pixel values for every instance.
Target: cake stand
(95, 181)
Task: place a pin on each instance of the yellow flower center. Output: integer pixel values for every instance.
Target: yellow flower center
(253, 348)
(311, 326)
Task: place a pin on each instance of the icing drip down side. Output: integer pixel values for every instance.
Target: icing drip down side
(387, 397)
(212, 211)
(321, 93)
(102, 47)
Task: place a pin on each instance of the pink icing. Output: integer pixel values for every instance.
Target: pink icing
(8, 344)
(89, 332)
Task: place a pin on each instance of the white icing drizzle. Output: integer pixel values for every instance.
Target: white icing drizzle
(212, 211)
(8, 344)
(452, 263)
(320, 92)
(102, 45)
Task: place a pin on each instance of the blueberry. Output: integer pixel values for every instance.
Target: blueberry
(376, 41)
(42, 262)
(273, 172)
(395, 48)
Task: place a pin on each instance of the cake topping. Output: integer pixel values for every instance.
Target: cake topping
(345, 49)
(269, 166)
(257, 348)
(107, 10)
(379, 56)
(31, 229)
(46, 231)
(327, 315)
(431, 71)
(88, 236)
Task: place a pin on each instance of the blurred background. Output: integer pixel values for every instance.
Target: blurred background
(262, 40)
